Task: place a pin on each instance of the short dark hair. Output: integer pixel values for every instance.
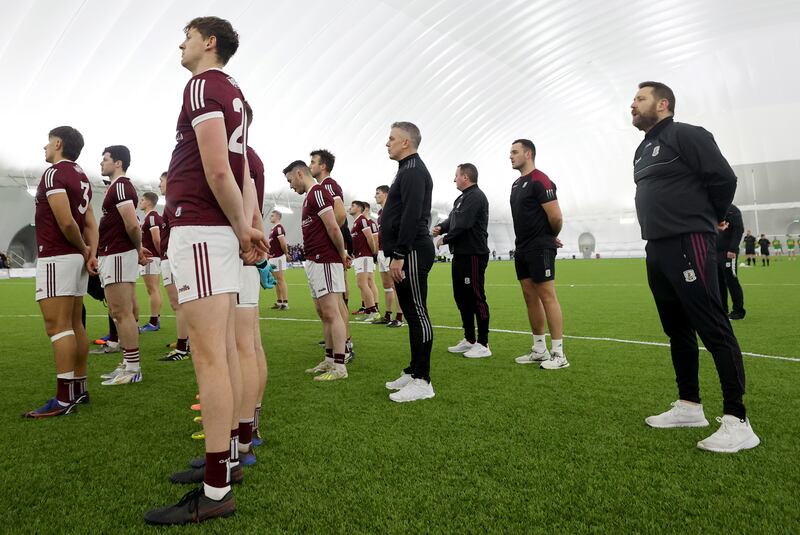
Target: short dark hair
(227, 38)
(325, 158)
(151, 196)
(249, 111)
(360, 204)
(277, 212)
(163, 175)
(528, 144)
(469, 171)
(661, 91)
(71, 140)
(119, 153)
(412, 130)
(383, 188)
(295, 165)
(366, 206)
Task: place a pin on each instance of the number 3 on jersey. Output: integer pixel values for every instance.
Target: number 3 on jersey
(238, 140)
(85, 204)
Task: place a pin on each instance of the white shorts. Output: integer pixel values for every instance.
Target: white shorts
(324, 279)
(204, 261)
(61, 276)
(152, 268)
(279, 262)
(120, 267)
(383, 263)
(364, 264)
(249, 287)
(166, 272)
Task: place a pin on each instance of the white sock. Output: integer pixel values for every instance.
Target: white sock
(539, 344)
(329, 360)
(67, 375)
(558, 346)
(215, 493)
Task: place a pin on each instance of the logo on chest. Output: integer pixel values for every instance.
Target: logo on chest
(689, 275)
(656, 150)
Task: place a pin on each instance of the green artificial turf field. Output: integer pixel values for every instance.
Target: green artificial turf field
(501, 448)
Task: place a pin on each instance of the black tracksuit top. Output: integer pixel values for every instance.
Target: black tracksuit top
(407, 214)
(466, 226)
(728, 240)
(683, 183)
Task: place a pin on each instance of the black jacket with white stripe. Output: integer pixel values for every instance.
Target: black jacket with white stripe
(465, 228)
(683, 183)
(407, 214)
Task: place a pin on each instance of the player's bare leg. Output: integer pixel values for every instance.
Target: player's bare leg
(374, 288)
(281, 290)
(335, 333)
(153, 285)
(248, 361)
(120, 297)
(235, 371)
(81, 347)
(263, 375)
(58, 320)
(546, 294)
(362, 279)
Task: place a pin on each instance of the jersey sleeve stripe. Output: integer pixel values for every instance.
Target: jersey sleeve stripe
(191, 94)
(52, 191)
(326, 209)
(202, 93)
(206, 116)
(123, 203)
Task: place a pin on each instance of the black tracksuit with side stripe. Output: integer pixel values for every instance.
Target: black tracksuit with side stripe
(405, 234)
(465, 232)
(727, 268)
(684, 187)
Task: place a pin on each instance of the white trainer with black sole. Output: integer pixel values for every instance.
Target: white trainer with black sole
(682, 414)
(415, 390)
(119, 369)
(400, 382)
(478, 351)
(733, 435)
(534, 357)
(126, 377)
(462, 347)
(556, 362)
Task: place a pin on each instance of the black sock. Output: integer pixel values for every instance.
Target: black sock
(154, 320)
(262, 264)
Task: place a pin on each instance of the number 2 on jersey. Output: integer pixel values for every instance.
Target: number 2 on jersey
(238, 139)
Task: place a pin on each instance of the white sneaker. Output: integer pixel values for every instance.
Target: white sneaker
(682, 414)
(125, 377)
(119, 369)
(733, 435)
(372, 316)
(478, 351)
(400, 382)
(533, 357)
(415, 390)
(556, 362)
(322, 367)
(462, 347)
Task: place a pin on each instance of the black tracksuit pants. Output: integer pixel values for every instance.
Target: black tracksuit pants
(729, 282)
(468, 282)
(412, 293)
(682, 274)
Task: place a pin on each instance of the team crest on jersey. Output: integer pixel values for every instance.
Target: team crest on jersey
(78, 169)
(547, 272)
(689, 275)
(178, 136)
(178, 211)
(656, 150)
(233, 82)
(466, 280)
(524, 184)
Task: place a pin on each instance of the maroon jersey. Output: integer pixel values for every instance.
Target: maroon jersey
(151, 220)
(316, 242)
(361, 245)
(165, 233)
(62, 177)
(332, 187)
(257, 174)
(274, 243)
(113, 236)
(208, 95)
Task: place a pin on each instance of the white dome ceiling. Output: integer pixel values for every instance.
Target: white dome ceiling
(473, 75)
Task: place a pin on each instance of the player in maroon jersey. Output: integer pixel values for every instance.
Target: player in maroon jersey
(279, 258)
(213, 220)
(381, 193)
(151, 272)
(120, 253)
(364, 247)
(320, 166)
(66, 236)
(181, 349)
(326, 260)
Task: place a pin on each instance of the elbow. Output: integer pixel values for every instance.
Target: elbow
(217, 175)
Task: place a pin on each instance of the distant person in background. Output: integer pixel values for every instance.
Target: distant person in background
(790, 243)
(537, 222)
(151, 272)
(728, 237)
(681, 198)
(465, 233)
(777, 247)
(364, 247)
(750, 248)
(381, 193)
(66, 237)
(763, 243)
(3, 261)
(279, 258)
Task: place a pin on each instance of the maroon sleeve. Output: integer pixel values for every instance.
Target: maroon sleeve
(202, 100)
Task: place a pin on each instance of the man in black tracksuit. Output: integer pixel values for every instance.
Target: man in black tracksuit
(405, 237)
(728, 238)
(684, 187)
(465, 232)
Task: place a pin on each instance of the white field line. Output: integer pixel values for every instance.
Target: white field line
(449, 327)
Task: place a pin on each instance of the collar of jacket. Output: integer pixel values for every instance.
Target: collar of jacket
(659, 126)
